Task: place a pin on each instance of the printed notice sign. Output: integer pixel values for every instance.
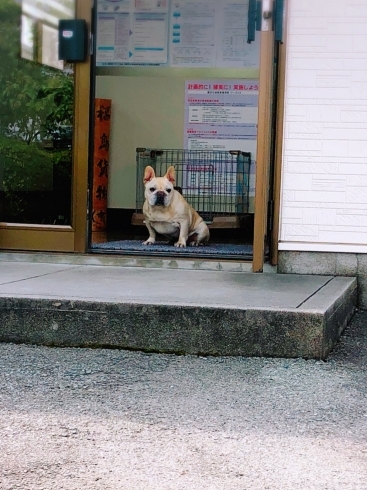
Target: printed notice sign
(131, 32)
(232, 49)
(176, 33)
(211, 34)
(221, 115)
(192, 34)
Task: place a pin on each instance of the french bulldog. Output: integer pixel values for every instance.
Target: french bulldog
(168, 213)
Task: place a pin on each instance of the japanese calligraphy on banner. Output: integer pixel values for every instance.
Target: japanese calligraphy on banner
(102, 121)
(222, 115)
(177, 33)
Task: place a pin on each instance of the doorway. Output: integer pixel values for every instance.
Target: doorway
(191, 103)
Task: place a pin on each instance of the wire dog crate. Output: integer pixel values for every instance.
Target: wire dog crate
(215, 183)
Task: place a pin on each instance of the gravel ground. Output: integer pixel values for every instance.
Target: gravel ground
(109, 419)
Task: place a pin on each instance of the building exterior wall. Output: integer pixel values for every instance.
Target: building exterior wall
(324, 179)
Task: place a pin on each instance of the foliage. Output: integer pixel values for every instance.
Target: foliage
(36, 183)
(61, 92)
(36, 107)
(9, 51)
(34, 99)
(19, 174)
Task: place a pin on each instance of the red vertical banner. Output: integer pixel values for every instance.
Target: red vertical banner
(102, 122)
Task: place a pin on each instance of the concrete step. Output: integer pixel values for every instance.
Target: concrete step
(69, 302)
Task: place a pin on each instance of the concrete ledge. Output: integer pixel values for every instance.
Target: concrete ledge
(120, 260)
(68, 302)
(308, 331)
(329, 263)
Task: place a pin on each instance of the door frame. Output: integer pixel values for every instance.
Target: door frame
(57, 238)
(270, 147)
(279, 137)
(263, 154)
(265, 144)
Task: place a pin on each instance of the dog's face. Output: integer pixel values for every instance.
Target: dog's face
(159, 190)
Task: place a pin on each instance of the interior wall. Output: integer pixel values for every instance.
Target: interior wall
(147, 111)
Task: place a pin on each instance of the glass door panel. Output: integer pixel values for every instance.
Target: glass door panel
(36, 114)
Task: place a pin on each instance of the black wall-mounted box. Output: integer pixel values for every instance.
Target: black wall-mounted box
(72, 40)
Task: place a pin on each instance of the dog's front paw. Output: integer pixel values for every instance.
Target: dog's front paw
(194, 243)
(150, 241)
(181, 243)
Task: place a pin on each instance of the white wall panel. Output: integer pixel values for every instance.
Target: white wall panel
(324, 180)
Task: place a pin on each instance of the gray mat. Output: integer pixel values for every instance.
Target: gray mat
(213, 249)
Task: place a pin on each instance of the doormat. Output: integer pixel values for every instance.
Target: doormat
(213, 249)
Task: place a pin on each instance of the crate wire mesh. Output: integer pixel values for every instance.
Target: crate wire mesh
(215, 183)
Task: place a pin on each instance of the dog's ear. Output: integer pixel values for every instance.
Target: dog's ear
(170, 174)
(149, 174)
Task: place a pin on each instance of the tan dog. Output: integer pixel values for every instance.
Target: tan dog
(168, 213)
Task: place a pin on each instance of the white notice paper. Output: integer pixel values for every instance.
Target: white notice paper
(132, 32)
(176, 33)
(232, 49)
(222, 115)
(192, 33)
(211, 34)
